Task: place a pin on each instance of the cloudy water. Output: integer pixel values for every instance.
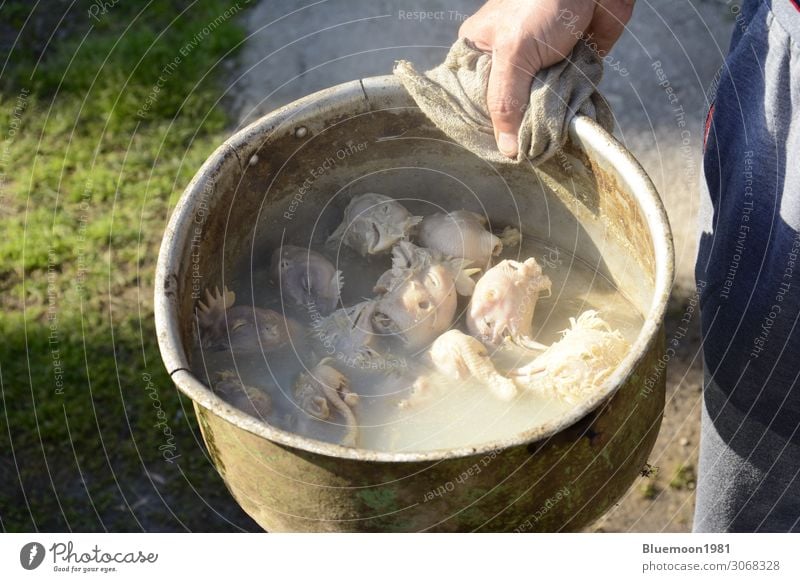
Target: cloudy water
(404, 404)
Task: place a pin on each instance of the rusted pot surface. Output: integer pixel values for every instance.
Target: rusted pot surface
(293, 171)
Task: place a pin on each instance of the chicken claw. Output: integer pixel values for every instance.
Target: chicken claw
(324, 385)
(422, 391)
(241, 328)
(462, 357)
(212, 313)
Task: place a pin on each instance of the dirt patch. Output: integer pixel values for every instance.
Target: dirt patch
(662, 499)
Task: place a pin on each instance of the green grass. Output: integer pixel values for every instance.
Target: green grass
(685, 477)
(649, 490)
(88, 185)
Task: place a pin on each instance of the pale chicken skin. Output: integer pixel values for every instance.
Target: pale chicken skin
(460, 234)
(503, 303)
(305, 277)
(420, 309)
(574, 367)
(461, 357)
(373, 223)
(419, 294)
(423, 391)
(255, 402)
(323, 388)
(242, 328)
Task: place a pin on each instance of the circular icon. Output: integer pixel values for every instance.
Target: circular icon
(31, 555)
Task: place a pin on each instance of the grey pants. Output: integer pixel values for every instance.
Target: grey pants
(749, 260)
(749, 477)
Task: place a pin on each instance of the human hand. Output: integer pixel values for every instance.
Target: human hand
(526, 36)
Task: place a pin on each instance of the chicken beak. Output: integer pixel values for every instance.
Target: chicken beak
(383, 241)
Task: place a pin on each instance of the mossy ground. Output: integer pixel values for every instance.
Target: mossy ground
(88, 416)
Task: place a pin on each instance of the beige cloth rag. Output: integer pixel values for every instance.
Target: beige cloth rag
(453, 96)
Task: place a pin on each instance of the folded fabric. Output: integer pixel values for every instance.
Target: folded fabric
(453, 96)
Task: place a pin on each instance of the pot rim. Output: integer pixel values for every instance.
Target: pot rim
(584, 131)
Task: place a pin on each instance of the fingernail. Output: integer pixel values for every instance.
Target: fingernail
(507, 143)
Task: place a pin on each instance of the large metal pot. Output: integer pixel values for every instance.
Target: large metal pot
(289, 171)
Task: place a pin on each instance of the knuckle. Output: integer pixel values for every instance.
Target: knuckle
(512, 45)
(516, 58)
(505, 106)
(622, 9)
(503, 102)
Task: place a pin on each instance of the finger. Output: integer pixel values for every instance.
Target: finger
(507, 97)
(479, 28)
(608, 24)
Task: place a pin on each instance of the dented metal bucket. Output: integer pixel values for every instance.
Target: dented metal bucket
(292, 170)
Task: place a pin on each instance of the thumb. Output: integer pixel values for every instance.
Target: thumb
(507, 97)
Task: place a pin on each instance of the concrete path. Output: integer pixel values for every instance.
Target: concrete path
(299, 47)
